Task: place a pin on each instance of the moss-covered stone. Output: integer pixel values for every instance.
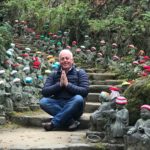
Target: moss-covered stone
(137, 94)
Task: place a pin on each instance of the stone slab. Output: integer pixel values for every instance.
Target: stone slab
(102, 76)
(100, 88)
(21, 138)
(91, 107)
(36, 119)
(93, 97)
(106, 82)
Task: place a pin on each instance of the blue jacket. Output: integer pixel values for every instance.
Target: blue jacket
(78, 84)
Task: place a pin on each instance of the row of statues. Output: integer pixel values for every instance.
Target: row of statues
(110, 123)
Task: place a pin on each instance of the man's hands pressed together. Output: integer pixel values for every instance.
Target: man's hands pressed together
(63, 79)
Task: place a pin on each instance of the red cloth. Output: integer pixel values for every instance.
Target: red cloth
(25, 55)
(147, 70)
(36, 64)
(146, 67)
(146, 57)
(15, 65)
(141, 61)
(144, 74)
(113, 88)
(145, 107)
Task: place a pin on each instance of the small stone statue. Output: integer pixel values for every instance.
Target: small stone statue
(139, 136)
(97, 119)
(5, 99)
(88, 56)
(17, 95)
(114, 92)
(29, 94)
(118, 121)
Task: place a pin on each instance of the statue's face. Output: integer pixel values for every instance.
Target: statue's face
(145, 114)
(19, 96)
(119, 106)
(27, 71)
(2, 86)
(17, 83)
(2, 75)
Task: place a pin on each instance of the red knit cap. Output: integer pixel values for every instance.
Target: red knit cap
(144, 74)
(74, 42)
(146, 67)
(121, 100)
(15, 65)
(25, 55)
(145, 107)
(146, 58)
(36, 64)
(147, 70)
(113, 88)
(141, 61)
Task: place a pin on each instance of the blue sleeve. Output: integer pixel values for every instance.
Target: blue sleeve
(83, 86)
(50, 88)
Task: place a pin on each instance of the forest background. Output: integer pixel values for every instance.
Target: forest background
(120, 21)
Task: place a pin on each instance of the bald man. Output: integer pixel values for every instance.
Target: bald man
(64, 94)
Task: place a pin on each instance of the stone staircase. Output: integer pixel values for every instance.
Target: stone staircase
(92, 103)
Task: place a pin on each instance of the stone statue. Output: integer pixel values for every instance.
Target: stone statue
(97, 119)
(29, 94)
(17, 95)
(99, 59)
(38, 87)
(46, 74)
(89, 56)
(118, 121)
(114, 92)
(5, 99)
(74, 47)
(138, 137)
(114, 51)
(124, 86)
(87, 41)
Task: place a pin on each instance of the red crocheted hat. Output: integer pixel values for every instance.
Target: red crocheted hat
(121, 100)
(145, 107)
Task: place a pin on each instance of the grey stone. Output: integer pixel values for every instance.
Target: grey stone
(2, 120)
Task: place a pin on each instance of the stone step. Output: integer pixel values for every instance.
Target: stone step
(35, 119)
(106, 82)
(22, 138)
(102, 76)
(91, 107)
(94, 70)
(99, 88)
(93, 97)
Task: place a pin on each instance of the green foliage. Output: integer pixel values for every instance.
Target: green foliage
(122, 23)
(137, 95)
(5, 39)
(5, 35)
(146, 16)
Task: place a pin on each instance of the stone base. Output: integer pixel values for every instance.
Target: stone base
(22, 109)
(34, 107)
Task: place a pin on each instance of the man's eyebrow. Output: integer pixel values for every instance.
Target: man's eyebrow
(65, 57)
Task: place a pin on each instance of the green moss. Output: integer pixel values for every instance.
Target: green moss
(9, 125)
(100, 146)
(27, 113)
(137, 95)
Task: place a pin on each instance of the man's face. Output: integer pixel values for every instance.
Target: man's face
(66, 60)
